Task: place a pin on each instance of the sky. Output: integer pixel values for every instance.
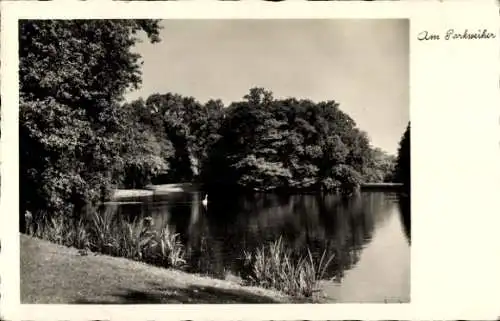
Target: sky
(361, 64)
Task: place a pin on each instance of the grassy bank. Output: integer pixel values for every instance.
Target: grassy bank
(273, 266)
(52, 273)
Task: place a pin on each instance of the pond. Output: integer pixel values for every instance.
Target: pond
(368, 235)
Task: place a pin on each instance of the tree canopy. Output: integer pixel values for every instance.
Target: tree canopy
(263, 143)
(269, 143)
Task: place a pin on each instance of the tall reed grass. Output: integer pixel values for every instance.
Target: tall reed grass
(275, 266)
(108, 234)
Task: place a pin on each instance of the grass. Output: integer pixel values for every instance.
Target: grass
(275, 266)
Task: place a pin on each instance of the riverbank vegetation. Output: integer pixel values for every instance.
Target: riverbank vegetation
(111, 235)
(275, 266)
(80, 140)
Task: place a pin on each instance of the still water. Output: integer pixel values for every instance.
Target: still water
(369, 235)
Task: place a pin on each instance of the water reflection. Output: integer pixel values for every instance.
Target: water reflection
(216, 237)
(404, 203)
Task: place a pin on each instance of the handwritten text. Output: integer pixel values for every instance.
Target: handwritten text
(453, 34)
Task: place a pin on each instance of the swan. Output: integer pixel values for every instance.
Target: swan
(205, 200)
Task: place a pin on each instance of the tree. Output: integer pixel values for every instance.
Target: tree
(73, 75)
(145, 148)
(190, 126)
(266, 143)
(382, 169)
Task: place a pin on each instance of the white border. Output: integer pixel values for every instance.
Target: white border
(455, 162)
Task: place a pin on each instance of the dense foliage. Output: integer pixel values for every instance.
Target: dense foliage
(259, 143)
(190, 126)
(383, 166)
(269, 143)
(73, 74)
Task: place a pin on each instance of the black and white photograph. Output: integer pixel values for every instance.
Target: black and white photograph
(170, 161)
(214, 161)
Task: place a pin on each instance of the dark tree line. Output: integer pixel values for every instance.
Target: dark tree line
(259, 143)
(79, 139)
(402, 172)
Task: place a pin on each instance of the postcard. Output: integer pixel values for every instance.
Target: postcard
(325, 160)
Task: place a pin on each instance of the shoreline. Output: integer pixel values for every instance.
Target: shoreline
(165, 189)
(70, 277)
(151, 190)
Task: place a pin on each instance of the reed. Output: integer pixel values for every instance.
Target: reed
(275, 266)
(54, 230)
(170, 249)
(103, 236)
(107, 234)
(78, 236)
(134, 239)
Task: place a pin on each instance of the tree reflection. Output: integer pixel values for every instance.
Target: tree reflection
(405, 210)
(216, 237)
(339, 226)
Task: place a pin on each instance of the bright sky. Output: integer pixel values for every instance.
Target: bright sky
(362, 64)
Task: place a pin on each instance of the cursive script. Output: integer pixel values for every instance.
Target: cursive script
(453, 34)
(426, 35)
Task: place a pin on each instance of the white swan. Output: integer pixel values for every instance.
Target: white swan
(205, 200)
